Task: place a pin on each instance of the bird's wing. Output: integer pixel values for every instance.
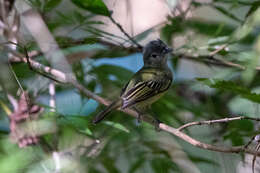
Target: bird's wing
(144, 86)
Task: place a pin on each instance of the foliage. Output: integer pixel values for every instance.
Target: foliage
(218, 86)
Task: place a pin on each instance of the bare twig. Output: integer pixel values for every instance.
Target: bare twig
(56, 158)
(254, 158)
(218, 49)
(224, 120)
(249, 142)
(124, 32)
(52, 96)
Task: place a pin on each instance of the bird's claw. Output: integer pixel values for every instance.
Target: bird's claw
(157, 124)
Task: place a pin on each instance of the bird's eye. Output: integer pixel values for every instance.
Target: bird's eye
(154, 55)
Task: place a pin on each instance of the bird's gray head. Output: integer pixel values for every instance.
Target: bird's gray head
(154, 53)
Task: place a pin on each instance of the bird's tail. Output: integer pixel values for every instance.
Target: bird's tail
(106, 111)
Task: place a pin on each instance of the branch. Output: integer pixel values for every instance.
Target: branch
(124, 32)
(209, 122)
(206, 59)
(62, 77)
(211, 60)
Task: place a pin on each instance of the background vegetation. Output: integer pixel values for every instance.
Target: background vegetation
(215, 63)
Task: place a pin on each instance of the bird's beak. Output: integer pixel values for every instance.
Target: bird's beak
(168, 50)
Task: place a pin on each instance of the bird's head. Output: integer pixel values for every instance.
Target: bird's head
(154, 53)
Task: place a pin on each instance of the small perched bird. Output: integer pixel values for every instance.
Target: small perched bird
(147, 85)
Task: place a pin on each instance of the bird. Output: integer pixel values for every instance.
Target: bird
(147, 85)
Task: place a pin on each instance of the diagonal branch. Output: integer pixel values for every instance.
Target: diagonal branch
(125, 33)
(209, 122)
(60, 76)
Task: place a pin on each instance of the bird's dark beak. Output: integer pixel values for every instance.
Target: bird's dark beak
(168, 50)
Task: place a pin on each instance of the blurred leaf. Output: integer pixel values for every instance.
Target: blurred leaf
(117, 126)
(218, 40)
(227, 13)
(35, 3)
(105, 71)
(242, 106)
(14, 159)
(93, 170)
(94, 6)
(143, 35)
(78, 71)
(102, 33)
(78, 122)
(136, 165)
(109, 164)
(23, 71)
(172, 3)
(163, 165)
(247, 27)
(156, 149)
(50, 4)
(169, 30)
(250, 72)
(255, 5)
(178, 25)
(237, 130)
(5, 108)
(235, 138)
(112, 53)
(240, 2)
(88, 132)
(196, 159)
(232, 87)
(242, 125)
(79, 17)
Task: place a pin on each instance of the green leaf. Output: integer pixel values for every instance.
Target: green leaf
(78, 122)
(232, 87)
(196, 159)
(104, 71)
(117, 126)
(235, 138)
(109, 164)
(136, 165)
(143, 35)
(218, 40)
(253, 8)
(94, 6)
(252, 21)
(50, 4)
(243, 125)
(227, 13)
(163, 165)
(87, 131)
(35, 3)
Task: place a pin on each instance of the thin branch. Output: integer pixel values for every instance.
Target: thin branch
(125, 33)
(206, 59)
(61, 76)
(209, 122)
(57, 161)
(52, 92)
(254, 158)
(218, 49)
(249, 142)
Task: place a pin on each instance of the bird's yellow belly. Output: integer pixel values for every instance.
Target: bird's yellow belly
(145, 103)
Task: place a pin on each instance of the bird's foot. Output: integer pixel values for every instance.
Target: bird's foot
(157, 124)
(139, 119)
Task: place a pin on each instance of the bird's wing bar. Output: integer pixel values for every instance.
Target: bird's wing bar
(143, 91)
